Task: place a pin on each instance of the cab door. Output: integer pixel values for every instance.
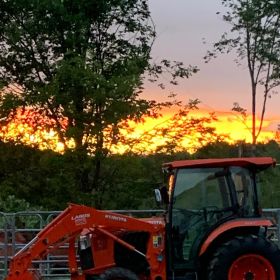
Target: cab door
(201, 198)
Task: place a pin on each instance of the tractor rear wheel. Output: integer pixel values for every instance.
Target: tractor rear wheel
(118, 273)
(246, 258)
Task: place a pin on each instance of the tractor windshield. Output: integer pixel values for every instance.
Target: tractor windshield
(203, 197)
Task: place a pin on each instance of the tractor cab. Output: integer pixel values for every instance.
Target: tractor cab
(205, 195)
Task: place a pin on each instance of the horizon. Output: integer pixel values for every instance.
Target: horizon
(143, 136)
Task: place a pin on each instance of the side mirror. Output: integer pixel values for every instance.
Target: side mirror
(158, 197)
(161, 195)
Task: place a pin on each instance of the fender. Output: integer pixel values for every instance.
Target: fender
(238, 223)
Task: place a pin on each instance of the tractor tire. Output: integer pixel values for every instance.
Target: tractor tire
(245, 257)
(118, 273)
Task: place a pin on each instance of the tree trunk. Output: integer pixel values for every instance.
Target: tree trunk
(254, 139)
(97, 186)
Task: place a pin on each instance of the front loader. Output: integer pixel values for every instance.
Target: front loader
(212, 229)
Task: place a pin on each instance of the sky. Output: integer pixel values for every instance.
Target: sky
(182, 27)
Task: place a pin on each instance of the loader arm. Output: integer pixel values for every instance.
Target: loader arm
(65, 228)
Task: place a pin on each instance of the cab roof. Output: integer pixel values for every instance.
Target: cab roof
(249, 162)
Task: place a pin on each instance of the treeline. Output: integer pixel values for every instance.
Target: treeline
(34, 179)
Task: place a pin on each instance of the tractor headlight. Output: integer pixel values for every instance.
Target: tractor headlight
(85, 241)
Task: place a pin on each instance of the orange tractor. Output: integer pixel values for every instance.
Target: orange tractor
(212, 229)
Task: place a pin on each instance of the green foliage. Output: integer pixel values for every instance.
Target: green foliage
(217, 149)
(48, 180)
(133, 178)
(32, 179)
(81, 64)
(77, 60)
(40, 178)
(10, 203)
(13, 204)
(83, 61)
(269, 180)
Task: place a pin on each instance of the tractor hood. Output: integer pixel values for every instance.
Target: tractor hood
(155, 220)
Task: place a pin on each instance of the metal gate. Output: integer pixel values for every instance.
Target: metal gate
(18, 229)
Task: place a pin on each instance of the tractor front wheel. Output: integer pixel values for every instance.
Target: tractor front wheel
(245, 258)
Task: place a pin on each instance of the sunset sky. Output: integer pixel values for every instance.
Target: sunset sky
(182, 26)
(186, 29)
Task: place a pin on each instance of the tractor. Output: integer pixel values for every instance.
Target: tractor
(212, 229)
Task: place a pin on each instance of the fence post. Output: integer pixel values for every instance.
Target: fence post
(4, 246)
(278, 227)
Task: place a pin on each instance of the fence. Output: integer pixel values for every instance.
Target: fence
(17, 229)
(274, 232)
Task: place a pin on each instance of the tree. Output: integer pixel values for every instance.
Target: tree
(184, 131)
(81, 64)
(219, 149)
(255, 37)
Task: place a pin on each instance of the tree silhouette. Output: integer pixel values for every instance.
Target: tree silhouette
(255, 38)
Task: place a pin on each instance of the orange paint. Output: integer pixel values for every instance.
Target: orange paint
(254, 222)
(104, 228)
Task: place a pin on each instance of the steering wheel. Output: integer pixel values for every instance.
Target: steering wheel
(185, 221)
(210, 211)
